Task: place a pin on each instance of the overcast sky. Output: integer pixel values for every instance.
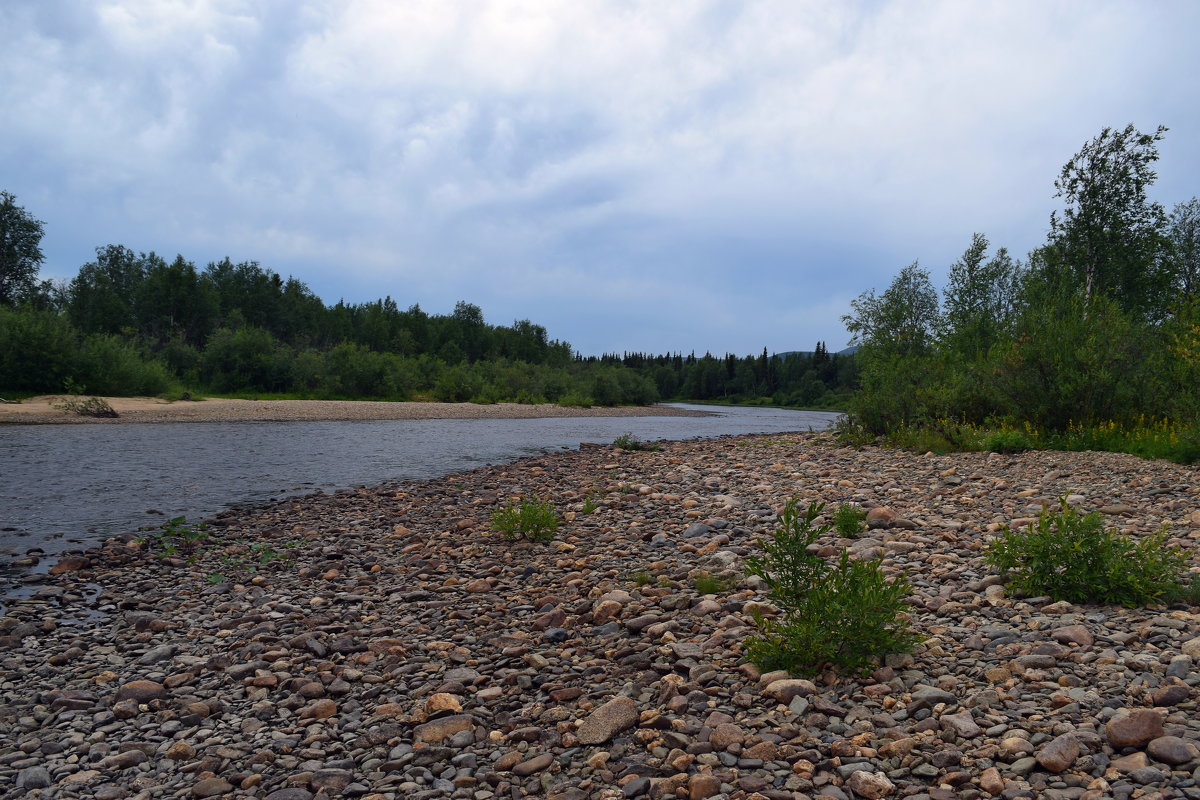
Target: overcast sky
(652, 176)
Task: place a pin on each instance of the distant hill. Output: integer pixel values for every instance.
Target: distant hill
(849, 351)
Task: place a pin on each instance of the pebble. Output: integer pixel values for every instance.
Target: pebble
(402, 648)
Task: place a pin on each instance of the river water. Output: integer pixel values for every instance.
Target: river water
(65, 487)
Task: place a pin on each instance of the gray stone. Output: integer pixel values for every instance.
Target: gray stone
(608, 720)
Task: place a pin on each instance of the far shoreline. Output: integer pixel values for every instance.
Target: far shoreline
(143, 410)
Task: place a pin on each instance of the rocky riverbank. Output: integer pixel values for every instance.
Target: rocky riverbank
(391, 645)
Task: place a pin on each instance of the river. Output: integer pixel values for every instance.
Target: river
(67, 487)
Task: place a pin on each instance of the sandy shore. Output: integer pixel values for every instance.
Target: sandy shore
(387, 643)
(41, 410)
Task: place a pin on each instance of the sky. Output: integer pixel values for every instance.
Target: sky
(693, 175)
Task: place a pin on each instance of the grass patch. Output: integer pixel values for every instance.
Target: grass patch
(527, 518)
(1148, 438)
(704, 583)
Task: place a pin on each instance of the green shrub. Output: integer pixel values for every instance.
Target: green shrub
(846, 615)
(849, 520)
(86, 407)
(529, 518)
(1007, 441)
(627, 441)
(1074, 558)
(575, 399)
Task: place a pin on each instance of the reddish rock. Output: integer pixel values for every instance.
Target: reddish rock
(141, 691)
(1073, 634)
(724, 735)
(880, 517)
(701, 787)
(322, 709)
(533, 765)
(70, 564)
(1171, 695)
(1134, 729)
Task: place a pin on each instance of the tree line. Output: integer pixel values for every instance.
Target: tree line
(1100, 325)
(134, 323)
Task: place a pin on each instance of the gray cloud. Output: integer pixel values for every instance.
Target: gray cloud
(708, 175)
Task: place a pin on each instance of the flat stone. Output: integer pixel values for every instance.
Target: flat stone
(439, 730)
(1073, 634)
(1171, 695)
(724, 735)
(961, 723)
(1191, 647)
(141, 691)
(533, 765)
(608, 720)
(784, 690)
(290, 793)
(211, 787)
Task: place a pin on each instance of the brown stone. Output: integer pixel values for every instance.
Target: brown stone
(441, 729)
(880, 517)
(1059, 753)
(701, 787)
(1171, 695)
(991, 782)
(724, 735)
(180, 751)
(533, 765)
(141, 691)
(321, 709)
(211, 787)
(441, 702)
(1134, 729)
(70, 564)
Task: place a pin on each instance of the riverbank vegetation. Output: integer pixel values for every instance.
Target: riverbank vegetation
(136, 324)
(1092, 342)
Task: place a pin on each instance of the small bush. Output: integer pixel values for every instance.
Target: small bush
(574, 399)
(847, 615)
(627, 441)
(589, 504)
(530, 518)
(86, 407)
(1074, 558)
(1007, 441)
(641, 578)
(849, 520)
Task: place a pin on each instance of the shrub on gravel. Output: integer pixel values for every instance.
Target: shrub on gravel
(1074, 558)
(847, 615)
(850, 520)
(528, 518)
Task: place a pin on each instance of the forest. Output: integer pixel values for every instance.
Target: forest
(134, 323)
(1091, 342)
